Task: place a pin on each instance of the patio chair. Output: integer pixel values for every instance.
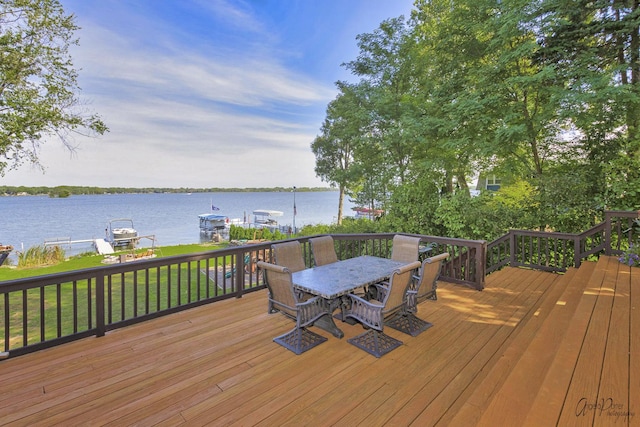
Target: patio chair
(371, 313)
(405, 248)
(289, 254)
(421, 288)
(323, 250)
(425, 285)
(282, 298)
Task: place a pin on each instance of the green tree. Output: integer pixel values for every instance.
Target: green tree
(412, 207)
(341, 133)
(595, 48)
(383, 65)
(544, 94)
(450, 43)
(38, 83)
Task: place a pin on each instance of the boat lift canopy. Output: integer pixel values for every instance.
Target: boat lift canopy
(265, 218)
(266, 212)
(212, 222)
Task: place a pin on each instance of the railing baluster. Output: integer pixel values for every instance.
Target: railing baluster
(43, 300)
(158, 288)
(74, 308)
(146, 291)
(123, 297)
(109, 300)
(135, 294)
(25, 323)
(7, 323)
(99, 300)
(169, 282)
(179, 282)
(58, 311)
(100, 305)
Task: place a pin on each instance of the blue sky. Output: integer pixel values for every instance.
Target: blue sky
(206, 93)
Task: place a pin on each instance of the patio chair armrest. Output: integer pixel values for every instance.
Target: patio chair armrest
(303, 296)
(377, 291)
(436, 258)
(369, 313)
(311, 310)
(358, 299)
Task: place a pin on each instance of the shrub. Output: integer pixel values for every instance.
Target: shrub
(242, 233)
(631, 256)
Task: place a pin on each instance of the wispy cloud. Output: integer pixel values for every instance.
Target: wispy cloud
(199, 93)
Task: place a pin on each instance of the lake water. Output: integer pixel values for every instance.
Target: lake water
(171, 217)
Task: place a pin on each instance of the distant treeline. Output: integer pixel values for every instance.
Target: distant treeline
(64, 189)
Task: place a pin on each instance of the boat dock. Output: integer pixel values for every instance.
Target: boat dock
(102, 246)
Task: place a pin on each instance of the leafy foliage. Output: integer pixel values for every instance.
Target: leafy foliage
(38, 83)
(631, 256)
(412, 208)
(348, 226)
(242, 233)
(545, 95)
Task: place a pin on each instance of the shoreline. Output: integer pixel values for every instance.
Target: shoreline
(76, 190)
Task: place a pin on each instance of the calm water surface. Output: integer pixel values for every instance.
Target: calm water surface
(172, 218)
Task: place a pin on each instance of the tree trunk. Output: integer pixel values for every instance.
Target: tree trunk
(340, 204)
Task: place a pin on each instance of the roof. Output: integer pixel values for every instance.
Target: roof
(266, 212)
(212, 217)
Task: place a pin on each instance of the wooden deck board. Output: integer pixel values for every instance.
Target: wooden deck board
(491, 380)
(443, 356)
(534, 352)
(549, 402)
(218, 365)
(586, 377)
(615, 368)
(455, 378)
(634, 344)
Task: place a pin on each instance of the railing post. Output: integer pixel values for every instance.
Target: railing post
(577, 260)
(240, 276)
(100, 305)
(483, 264)
(512, 248)
(607, 233)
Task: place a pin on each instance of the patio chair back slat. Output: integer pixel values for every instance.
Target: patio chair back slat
(405, 248)
(289, 254)
(324, 250)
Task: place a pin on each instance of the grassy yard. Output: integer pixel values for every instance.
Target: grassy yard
(89, 260)
(37, 315)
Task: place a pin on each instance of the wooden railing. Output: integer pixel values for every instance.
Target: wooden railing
(44, 311)
(556, 252)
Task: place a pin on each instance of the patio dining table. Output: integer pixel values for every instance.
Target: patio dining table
(333, 281)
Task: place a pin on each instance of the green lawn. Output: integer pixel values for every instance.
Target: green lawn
(57, 310)
(93, 260)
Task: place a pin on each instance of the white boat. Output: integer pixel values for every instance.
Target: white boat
(264, 218)
(367, 213)
(210, 223)
(121, 232)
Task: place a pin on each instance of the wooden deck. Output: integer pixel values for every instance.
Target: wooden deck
(533, 348)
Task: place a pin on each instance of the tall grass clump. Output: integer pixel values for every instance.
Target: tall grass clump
(38, 256)
(241, 233)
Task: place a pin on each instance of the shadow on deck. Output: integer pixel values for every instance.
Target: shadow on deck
(533, 348)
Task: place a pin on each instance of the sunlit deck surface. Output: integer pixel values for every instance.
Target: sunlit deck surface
(533, 348)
